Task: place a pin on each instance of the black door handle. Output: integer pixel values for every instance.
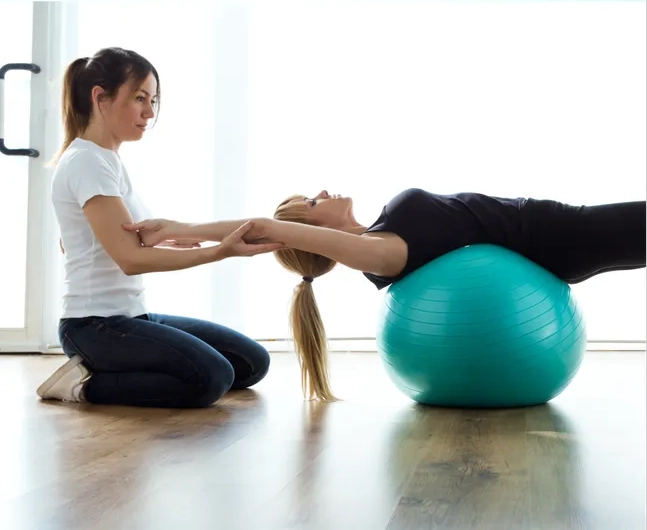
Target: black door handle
(3, 70)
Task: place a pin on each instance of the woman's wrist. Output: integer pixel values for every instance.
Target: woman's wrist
(270, 228)
(180, 230)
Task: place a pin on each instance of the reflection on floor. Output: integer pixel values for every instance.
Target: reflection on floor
(264, 459)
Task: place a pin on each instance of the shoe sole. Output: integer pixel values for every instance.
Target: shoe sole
(60, 372)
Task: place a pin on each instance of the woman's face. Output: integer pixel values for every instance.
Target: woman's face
(127, 115)
(331, 211)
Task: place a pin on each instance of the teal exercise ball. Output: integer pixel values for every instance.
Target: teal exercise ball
(481, 327)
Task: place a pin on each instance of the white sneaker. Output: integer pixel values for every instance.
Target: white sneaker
(67, 382)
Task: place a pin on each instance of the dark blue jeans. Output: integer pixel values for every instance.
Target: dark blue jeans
(158, 360)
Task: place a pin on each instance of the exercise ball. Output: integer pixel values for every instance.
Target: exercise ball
(481, 327)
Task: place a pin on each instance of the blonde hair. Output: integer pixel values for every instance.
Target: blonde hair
(307, 327)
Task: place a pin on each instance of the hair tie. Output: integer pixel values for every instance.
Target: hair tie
(307, 279)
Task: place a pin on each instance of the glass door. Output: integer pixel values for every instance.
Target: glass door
(30, 70)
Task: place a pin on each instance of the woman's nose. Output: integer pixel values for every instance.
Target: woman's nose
(149, 112)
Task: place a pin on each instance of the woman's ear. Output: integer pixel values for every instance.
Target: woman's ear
(97, 94)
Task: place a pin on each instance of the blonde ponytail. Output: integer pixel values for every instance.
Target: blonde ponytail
(310, 343)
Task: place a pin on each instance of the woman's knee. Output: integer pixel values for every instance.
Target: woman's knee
(261, 365)
(216, 380)
(256, 361)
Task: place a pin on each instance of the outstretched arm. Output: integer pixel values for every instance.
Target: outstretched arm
(367, 254)
(153, 232)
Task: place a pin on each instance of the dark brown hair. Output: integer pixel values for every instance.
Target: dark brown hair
(109, 68)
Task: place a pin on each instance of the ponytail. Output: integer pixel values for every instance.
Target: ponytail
(306, 325)
(75, 104)
(310, 343)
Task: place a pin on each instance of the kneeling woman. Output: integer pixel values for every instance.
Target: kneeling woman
(120, 353)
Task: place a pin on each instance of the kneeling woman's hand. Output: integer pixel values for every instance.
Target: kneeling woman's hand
(260, 231)
(244, 242)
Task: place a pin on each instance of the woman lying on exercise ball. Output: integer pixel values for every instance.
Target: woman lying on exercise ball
(120, 352)
(414, 228)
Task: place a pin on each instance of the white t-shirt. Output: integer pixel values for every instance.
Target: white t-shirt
(94, 283)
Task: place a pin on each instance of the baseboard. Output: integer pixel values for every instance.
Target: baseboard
(367, 345)
(361, 345)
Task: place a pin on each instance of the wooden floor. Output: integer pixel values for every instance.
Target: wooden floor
(266, 460)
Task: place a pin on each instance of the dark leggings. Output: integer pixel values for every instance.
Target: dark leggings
(578, 242)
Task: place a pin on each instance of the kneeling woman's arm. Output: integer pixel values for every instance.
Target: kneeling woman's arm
(107, 214)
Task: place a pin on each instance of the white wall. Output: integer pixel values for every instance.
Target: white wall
(265, 99)
(542, 99)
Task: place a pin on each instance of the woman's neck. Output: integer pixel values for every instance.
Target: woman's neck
(101, 137)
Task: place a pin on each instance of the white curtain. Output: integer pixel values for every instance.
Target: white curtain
(264, 99)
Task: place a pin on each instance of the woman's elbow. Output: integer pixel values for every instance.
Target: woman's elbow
(386, 262)
(131, 265)
(130, 269)
(373, 262)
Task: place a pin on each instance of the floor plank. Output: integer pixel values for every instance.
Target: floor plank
(264, 458)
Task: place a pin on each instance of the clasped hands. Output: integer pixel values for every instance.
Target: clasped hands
(249, 239)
